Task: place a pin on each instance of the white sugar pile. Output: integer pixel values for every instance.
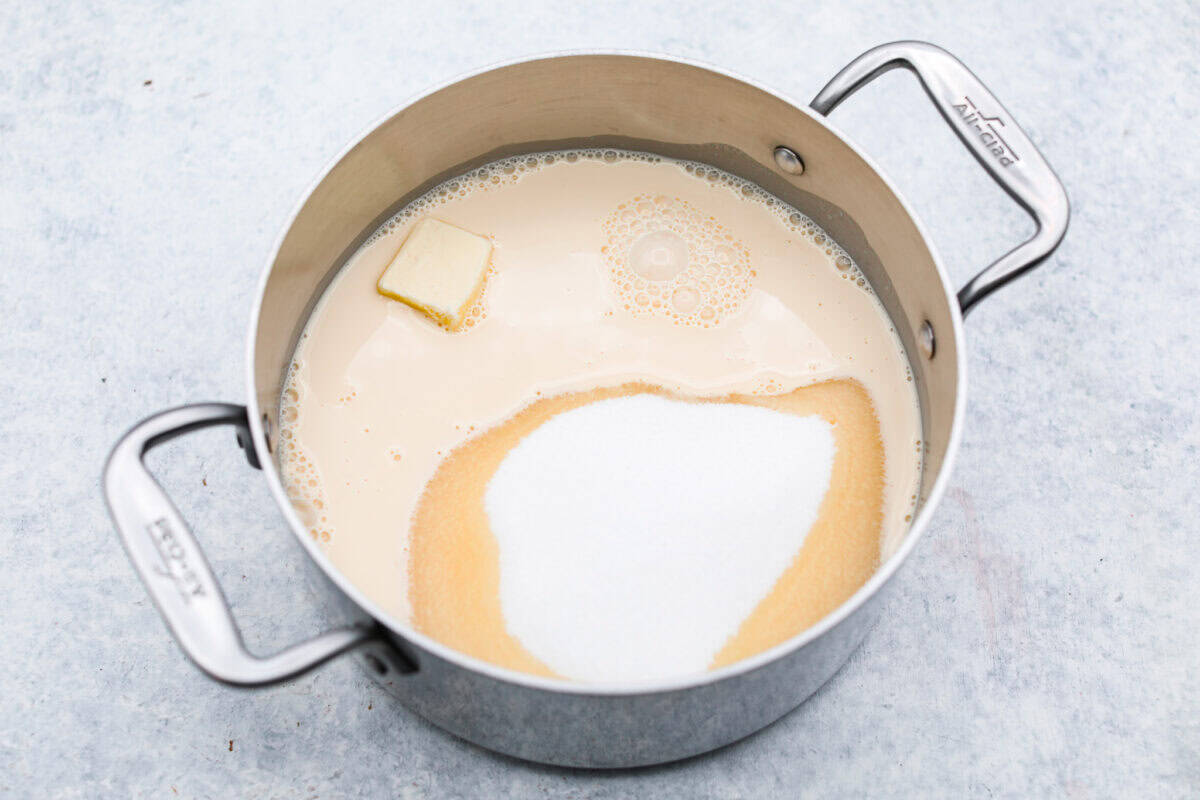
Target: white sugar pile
(637, 533)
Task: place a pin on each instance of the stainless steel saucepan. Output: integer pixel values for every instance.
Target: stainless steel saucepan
(637, 102)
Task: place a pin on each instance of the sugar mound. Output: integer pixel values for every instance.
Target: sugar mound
(637, 533)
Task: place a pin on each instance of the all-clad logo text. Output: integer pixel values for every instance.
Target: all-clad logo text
(174, 560)
(988, 130)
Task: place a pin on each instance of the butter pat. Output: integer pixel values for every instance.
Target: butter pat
(439, 270)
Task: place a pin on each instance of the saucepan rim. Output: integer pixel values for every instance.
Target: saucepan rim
(414, 637)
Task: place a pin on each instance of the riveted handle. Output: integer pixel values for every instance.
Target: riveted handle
(992, 136)
(176, 574)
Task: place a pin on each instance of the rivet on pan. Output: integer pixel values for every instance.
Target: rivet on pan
(928, 342)
(787, 160)
(266, 423)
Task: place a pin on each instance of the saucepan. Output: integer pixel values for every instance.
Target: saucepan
(609, 99)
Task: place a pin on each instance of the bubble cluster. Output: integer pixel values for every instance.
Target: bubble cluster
(768, 386)
(792, 219)
(667, 259)
(300, 476)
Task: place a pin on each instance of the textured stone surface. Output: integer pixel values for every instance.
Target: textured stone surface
(1043, 639)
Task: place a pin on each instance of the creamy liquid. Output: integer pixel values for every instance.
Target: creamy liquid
(392, 426)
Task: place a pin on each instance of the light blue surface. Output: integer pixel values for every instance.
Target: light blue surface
(1043, 638)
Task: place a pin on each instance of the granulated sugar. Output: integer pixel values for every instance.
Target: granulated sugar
(637, 533)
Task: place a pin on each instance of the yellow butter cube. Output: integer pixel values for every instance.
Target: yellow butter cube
(439, 270)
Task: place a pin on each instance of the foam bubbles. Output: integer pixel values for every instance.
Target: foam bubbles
(685, 300)
(669, 260)
(658, 255)
(300, 475)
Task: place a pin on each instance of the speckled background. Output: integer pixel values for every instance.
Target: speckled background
(1041, 642)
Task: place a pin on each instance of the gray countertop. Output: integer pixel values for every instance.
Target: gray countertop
(1042, 640)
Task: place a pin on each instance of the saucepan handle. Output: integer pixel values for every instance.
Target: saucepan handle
(992, 136)
(170, 563)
